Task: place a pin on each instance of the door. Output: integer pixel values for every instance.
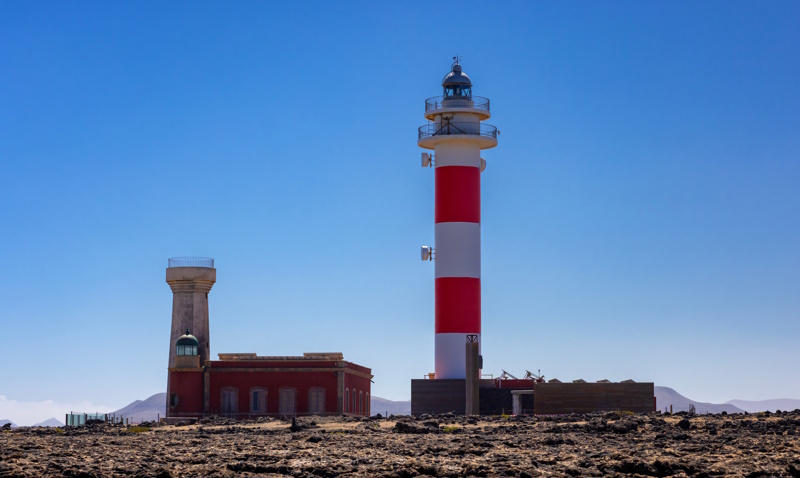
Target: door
(229, 402)
(286, 401)
(316, 401)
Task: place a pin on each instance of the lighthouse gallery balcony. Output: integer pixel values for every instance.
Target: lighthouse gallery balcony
(480, 129)
(477, 105)
(432, 133)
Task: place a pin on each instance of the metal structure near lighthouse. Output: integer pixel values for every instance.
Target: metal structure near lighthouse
(457, 135)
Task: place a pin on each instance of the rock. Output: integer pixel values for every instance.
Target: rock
(413, 428)
(624, 426)
(564, 446)
(294, 427)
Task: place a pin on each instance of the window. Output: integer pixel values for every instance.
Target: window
(458, 91)
(316, 400)
(361, 403)
(173, 400)
(286, 401)
(258, 400)
(187, 349)
(346, 400)
(369, 405)
(230, 401)
(355, 407)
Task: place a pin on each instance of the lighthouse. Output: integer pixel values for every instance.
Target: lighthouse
(456, 134)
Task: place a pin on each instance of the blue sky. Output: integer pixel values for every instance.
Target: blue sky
(640, 215)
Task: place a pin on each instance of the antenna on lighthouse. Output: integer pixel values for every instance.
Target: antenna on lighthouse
(427, 253)
(426, 160)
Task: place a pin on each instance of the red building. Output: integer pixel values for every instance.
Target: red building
(247, 385)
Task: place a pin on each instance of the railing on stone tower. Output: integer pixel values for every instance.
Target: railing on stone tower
(190, 262)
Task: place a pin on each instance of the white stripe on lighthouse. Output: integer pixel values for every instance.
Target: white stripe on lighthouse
(453, 154)
(451, 355)
(458, 249)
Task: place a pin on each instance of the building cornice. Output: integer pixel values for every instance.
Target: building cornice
(289, 369)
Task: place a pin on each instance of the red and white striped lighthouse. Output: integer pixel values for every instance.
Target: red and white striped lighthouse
(456, 134)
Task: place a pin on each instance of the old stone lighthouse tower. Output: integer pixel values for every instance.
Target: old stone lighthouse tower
(191, 279)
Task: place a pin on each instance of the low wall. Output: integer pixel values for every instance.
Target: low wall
(560, 398)
(449, 395)
(438, 396)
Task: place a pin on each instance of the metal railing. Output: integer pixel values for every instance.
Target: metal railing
(72, 419)
(190, 262)
(440, 102)
(474, 129)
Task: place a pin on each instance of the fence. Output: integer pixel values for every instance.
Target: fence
(80, 419)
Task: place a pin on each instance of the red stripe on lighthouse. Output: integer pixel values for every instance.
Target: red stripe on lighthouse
(458, 194)
(458, 305)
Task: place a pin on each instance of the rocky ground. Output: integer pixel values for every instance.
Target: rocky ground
(609, 444)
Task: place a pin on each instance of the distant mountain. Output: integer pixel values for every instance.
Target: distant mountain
(783, 404)
(384, 406)
(3, 422)
(51, 422)
(666, 396)
(148, 409)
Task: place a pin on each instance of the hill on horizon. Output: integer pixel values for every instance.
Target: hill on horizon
(149, 409)
(755, 406)
(50, 422)
(666, 396)
(5, 420)
(390, 407)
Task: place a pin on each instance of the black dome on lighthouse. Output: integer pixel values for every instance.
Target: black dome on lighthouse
(456, 85)
(456, 77)
(187, 344)
(187, 339)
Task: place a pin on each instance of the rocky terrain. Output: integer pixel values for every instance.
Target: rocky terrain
(610, 444)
